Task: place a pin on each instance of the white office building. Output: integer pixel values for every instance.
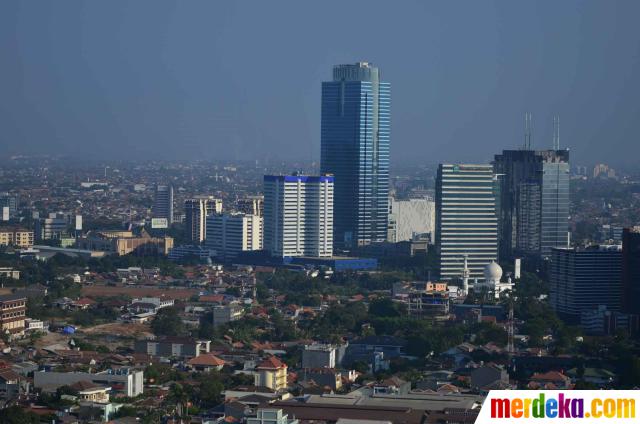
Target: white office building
(196, 211)
(229, 234)
(411, 218)
(298, 215)
(466, 220)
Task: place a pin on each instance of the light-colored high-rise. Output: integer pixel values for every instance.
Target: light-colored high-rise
(229, 234)
(466, 221)
(409, 218)
(298, 215)
(252, 205)
(196, 211)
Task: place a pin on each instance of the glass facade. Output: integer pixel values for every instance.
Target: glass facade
(355, 150)
(534, 201)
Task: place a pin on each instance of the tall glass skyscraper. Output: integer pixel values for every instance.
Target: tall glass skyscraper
(355, 149)
(534, 201)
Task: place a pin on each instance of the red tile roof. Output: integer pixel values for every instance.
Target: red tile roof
(207, 360)
(271, 363)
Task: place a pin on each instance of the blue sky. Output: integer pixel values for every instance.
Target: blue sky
(228, 80)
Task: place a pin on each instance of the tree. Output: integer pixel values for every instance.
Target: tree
(211, 387)
(17, 415)
(385, 307)
(167, 322)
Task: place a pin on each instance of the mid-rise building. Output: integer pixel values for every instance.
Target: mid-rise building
(54, 227)
(533, 201)
(224, 314)
(16, 237)
(228, 234)
(466, 222)
(355, 134)
(9, 201)
(124, 242)
(271, 373)
(582, 279)
(163, 205)
(127, 381)
(182, 347)
(196, 211)
(411, 218)
(13, 308)
(322, 356)
(631, 270)
(298, 215)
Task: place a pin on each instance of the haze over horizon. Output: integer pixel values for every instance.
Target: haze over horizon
(188, 80)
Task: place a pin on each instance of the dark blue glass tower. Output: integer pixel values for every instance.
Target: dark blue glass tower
(355, 149)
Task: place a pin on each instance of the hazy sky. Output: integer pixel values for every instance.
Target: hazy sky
(232, 79)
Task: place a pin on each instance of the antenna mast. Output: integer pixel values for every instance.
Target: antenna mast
(556, 132)
(528, 130)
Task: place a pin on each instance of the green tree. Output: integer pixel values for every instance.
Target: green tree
(167, 322)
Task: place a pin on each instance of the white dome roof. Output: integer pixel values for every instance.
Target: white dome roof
(493, 272)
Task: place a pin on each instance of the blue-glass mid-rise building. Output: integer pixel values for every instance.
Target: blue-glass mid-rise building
(355, 149)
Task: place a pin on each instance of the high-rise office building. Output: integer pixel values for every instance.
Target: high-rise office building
(163, 206)
(298, 215)
(355, 150)
(631, 270)
(583, 279)
(9, 201)
(228, 234)
(196, 211)
(533, 201)
(466, 222)
(252, 205)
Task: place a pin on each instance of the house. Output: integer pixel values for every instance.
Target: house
(88, 391)
(82, 304)
(11, 383)
(488, 375)
(206, 362)
(552, 380)
(271, 373)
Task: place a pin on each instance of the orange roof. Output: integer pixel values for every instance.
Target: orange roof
(207, 360)
(550, 376)
(271, 363)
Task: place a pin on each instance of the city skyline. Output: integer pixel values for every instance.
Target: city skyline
(156, 95)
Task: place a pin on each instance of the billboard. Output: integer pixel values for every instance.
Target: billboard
(159, 223)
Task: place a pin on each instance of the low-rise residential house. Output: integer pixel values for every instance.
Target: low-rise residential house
(552, 380)
(488, 375)
(88, 391)
(206, 363)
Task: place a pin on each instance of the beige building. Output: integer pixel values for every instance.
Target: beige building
(271, 373)
(17, 237)
(124, 243)
(13, 308)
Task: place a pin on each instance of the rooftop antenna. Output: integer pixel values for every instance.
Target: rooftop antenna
(528, 130)
(556, 132)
